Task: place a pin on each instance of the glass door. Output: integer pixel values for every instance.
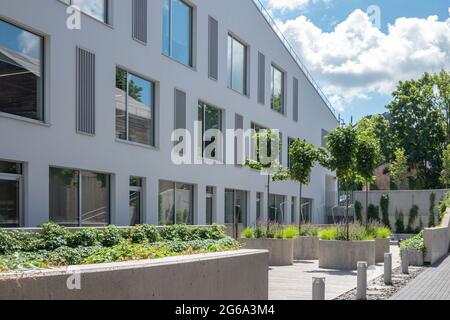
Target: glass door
(235, 212)
(10, 190)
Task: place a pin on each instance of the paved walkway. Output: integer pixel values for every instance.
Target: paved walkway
(295, 282)
(432, 284)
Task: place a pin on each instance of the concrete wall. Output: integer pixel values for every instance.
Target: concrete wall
(437, 241)
(306, 248)
(281, 251)
(382, 246)
(238, 275)
(345, 254)
(55, 141)
(403, 201)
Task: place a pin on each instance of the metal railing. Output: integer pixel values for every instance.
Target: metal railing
(265, 13)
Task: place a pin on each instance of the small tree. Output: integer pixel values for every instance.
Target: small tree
(342, 147)
(366, 162)
(445, 173)
(303, 156)
(399, 168)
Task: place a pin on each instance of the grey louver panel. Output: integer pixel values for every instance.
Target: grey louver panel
(295, 100)
(180, 109)
(281, 148)
(85, 91)
(213, 48)
(238, 125)
(261, 78)
(140, 20)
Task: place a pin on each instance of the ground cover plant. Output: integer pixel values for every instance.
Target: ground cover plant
(357, 232)
(57, 246)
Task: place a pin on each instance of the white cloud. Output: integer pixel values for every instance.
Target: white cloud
(356, 59)
(29, 44)
(290, 5)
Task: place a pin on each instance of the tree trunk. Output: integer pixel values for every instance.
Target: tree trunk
(367, 203)
(301, 209)
(346, 212)
(268, 203)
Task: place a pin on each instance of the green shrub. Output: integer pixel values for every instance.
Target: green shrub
(373, 213)
(54, 236)
(86, 237)
(399, 222)
(111, 236)
(339, 233)
(309, 231)
(290, 232)
(248, 233)
(260, 231)
(413, 214)
(329, 233)
(358, 211)
(142, 233)
(416, 243)
(384, 205)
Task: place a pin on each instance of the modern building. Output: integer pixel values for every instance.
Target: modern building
(87, 114)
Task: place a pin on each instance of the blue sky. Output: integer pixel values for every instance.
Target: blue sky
(356, 63)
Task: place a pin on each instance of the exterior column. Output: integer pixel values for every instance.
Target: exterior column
(36, 209)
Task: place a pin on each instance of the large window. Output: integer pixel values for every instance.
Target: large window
(237, 65)
(259, 204)
(177, 30)
(307, 210)
(176, 203)
(290, 142)
(210, 198)
(135, 108)
(210, 119)
(10, 194)
(97, 9)
(277, 208)
(79, 198)
(21, 72)
(235, 211)
(277, 99)
(136, 200)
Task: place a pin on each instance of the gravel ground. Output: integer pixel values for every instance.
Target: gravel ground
(377, 290)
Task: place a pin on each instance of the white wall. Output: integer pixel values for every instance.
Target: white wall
(57, 144)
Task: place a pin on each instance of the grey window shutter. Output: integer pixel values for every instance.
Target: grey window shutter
(140, 20)
(213, 48)
(261, 78)
(238, 125)
(180, 109)
(85, 91)
(295, 100)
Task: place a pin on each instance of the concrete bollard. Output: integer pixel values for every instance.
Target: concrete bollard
(361, 291)
(318, 289)
(388, 269)
(405, 261)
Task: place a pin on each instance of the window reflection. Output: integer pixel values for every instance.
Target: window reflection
(237, 65)
(277, 100)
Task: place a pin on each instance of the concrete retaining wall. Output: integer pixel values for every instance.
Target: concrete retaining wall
(437, 241)
(415, 257)
(281, 251)
(234, 275)
(382, 246)
(403, 201)
(306, 248)
(345, 254)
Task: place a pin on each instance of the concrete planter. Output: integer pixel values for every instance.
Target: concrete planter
(345, 254)
(306, 248)
(234, 275)
(281, 251)
(415, 257)
(382, 246)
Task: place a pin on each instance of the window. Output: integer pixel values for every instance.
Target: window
(259, 204)
(176, 203)
(210, 195)
(177, 30)
(210, 119)
(277, 100)
(135, 108)
(97, 9)
(293, 205)
(306, 210)
(79, 198)
(235, 211)
(136, 200)
(10, 194)
(257, 129)
(237, 65)
(277, 208)
(21, 72)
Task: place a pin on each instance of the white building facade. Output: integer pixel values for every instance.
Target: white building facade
(87, 114)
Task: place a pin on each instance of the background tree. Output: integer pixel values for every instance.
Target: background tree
(342, 146)
(368, 156)
(441, 91)
(445, 173)
(419, 124)
(303, 157)
(399, 168)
